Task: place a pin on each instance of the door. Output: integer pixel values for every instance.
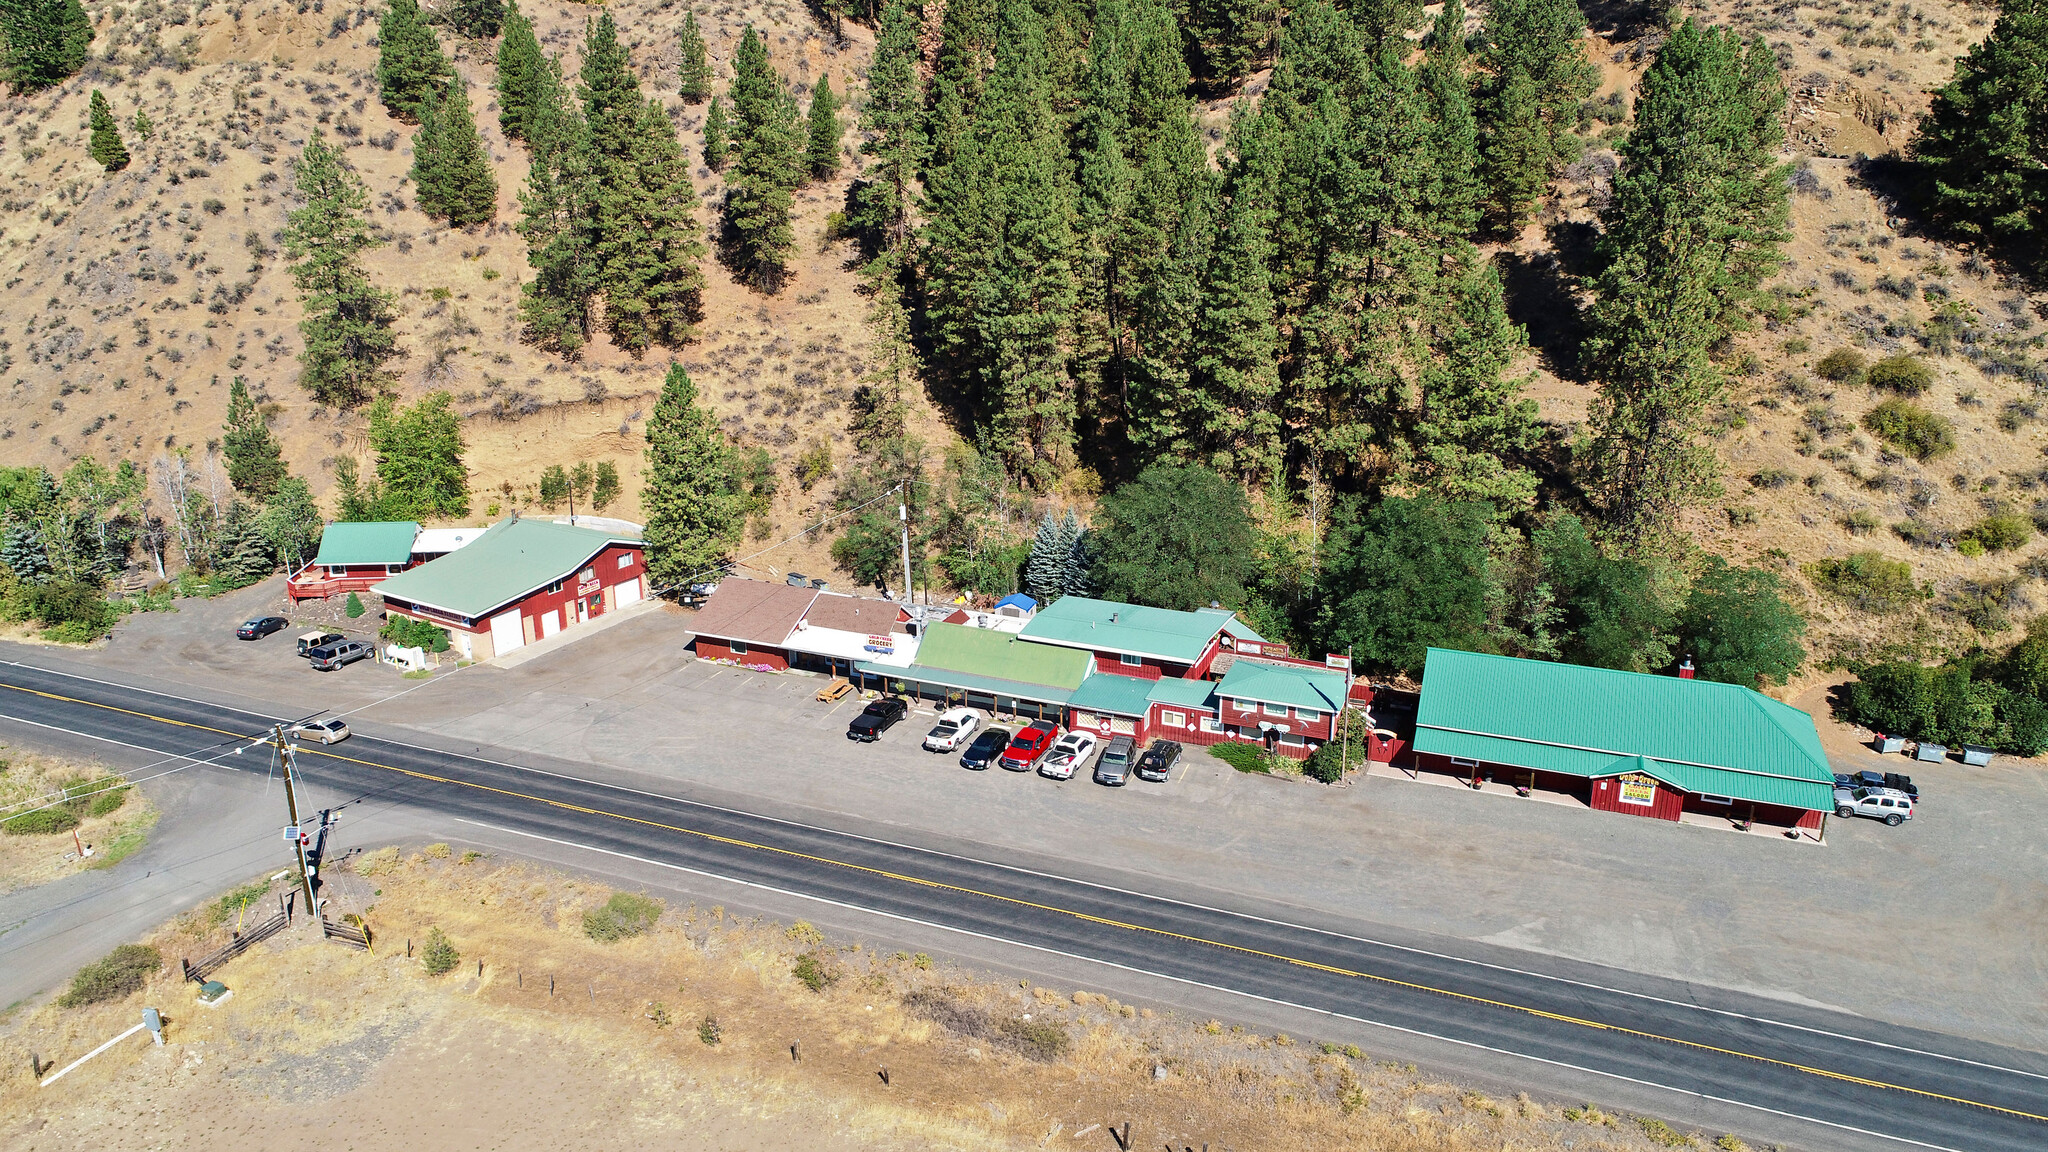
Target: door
(629, 592)
(506, 634)
(550, 623)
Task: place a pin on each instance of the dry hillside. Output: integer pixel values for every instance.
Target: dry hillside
(128, 300)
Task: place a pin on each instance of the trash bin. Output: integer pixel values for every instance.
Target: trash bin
(1976, 754)
(1885, 743)
(1931, 753)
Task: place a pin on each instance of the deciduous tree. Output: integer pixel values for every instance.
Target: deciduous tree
(1179, 536)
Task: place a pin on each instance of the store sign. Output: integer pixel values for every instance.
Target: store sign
(880, 645)
(586, 587)
(1638, 789)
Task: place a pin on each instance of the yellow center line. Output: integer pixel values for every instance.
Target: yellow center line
(940, 885)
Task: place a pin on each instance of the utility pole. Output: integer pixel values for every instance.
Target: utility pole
(903, 518)
(291, 803)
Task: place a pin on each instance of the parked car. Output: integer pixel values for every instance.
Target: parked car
(325, 731)
(1886, 804)
(260, 627)
(1159, 761)
(1903, 784)
(953, 728)
(1114, 769)
(1069, 755)
(329, 657)
(986, 749)
(311, 640)
(1028, 745)
(877, 718)
(836, 690)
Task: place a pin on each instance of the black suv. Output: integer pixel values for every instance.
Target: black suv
(260, 627)
(1158, 761)
(876, 718)
(986, 749)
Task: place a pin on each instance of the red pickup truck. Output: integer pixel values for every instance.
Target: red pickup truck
(1030, 744)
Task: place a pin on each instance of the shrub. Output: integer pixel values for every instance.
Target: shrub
(625, 914)
(1660, 1133)
(1902, 374)
(1910, 428)
(1771, 478)
(1860, 523)
(354, 606)
(709, 1032)
(1326, 764)
(439, 956)
(113, 976)
(1042, 1040)
(108, 802)
(71, 611)
(409, 633)
(2001, 531)
(814, 972)
(1868, 581)
(41, 822)
(1241, 756)
(1842, 366)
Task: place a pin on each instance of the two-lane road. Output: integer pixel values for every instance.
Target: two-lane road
(1865, 1081)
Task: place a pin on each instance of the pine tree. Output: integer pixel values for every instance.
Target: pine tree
(693, 72)
(476, 19)
(967, 36)
(1980, 138)
(822, 157)
(767, 167)
(648, 247)
(42, 42)
(717, 146)
(522, 73)
(106, 148)
(1454, 143)
(255, 459)
(410, 66)
(1539, 75)
(450, 170)
(1078, 560)
(1232, 36)
(347, 325)
(555, 207)
(1698, 212)
(1058, 562)
(892, 120)
(1472, 419)
(1236, 426)
(691, 502)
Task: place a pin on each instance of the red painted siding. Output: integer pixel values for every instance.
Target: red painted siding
(1669, 801)
(1317, 729)
(1112, 662)
(709, 649)
(1200, 669)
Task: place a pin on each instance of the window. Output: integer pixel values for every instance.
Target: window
(1211, 725)
(1461, 762)
(625, 559)
(1173, 719)
(588, 574)
(1293, 738)
(552, 588)
(1128, 660)
(1715, 800)
(736, 648)
(1273, 709)
(1307, 717)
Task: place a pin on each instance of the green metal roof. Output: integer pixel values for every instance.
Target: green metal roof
(1312, 688)
(1109, 692)
(1161, 633)
(510, 559)
(996, 654)
(968, 681)
(1182, 693)
(1716, 739)
(364, 542)
(1241, 630)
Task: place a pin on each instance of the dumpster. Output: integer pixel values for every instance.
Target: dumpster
(1931, 753)
(1888, 744)
(1976, 754)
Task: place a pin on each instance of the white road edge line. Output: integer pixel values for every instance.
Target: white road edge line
(1198, 984)
(1022, 871)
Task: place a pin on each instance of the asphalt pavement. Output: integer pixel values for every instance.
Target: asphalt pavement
(1841, 1080)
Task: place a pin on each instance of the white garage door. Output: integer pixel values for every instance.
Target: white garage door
(550, 623)
(505, 632)
(629, 592)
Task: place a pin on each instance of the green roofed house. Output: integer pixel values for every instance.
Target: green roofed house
(1289, 707)
(353, 556)
(518, 582)
(1133, 640)
(1659, 746)
(987, 668)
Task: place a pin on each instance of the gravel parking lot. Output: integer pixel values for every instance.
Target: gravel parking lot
(1937, 924)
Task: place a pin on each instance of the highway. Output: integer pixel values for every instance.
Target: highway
(1870, 1083)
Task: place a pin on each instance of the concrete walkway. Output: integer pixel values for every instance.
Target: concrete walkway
(572, 634)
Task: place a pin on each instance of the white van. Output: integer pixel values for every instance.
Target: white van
(1887, 804)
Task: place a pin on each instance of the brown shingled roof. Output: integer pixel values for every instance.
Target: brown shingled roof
(855, 614)
(752, 611)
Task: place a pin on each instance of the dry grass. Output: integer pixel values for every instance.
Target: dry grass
(964, 1069)
(30, 860)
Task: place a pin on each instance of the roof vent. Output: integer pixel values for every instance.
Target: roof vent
(1112, 617)
(1685, 667)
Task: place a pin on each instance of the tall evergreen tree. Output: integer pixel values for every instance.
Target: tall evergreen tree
(419, 458)
(1230, 37)
(255, 459)
(693, 70)
(649, 244)
(1538, 75)
(717, 138)
(522, 73)
(410, 66)
(967, 34)
(1698, 212)
(42, 42)
(476, 19)
(555, 207)
(1472, 420)
(450, 171)
(691, 502)
(1454, 141)
(1236, 425)
(766, 169)
(106, 148)
(1982, 139)
(823, 130)
(347, 325)
(892, 120)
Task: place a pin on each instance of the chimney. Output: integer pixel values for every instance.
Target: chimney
(1685, 667)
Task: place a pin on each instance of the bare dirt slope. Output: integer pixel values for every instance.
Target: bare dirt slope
(128, 300)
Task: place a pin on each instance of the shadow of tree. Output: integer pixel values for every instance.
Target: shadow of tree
(1542, 296)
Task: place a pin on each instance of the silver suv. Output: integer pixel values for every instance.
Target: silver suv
(1887, 804)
